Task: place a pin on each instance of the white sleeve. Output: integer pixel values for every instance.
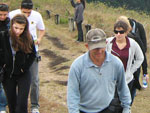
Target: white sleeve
(40, 24)
(138, 57)
(11, 14)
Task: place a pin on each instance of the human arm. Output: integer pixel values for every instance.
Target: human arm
(137, 55)
(144, 41)
(123, 90)
(40, 28)
(141, 44)
(73, 93)
(142, 35)
(23, 61)
(40, 36)
(73, 3)
(29, 59)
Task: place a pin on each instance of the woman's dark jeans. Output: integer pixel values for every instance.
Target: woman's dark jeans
(80, 31)
(17, 91)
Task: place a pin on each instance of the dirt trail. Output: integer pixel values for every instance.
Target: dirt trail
(52, 81)
(56, 59)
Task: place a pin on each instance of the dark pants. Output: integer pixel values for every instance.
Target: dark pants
(136, 84)
(130, 85)
(17, 90)
(80, 31)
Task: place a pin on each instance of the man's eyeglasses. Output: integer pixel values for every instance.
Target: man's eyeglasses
(121, 32)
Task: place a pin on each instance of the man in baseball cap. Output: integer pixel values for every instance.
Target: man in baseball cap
(93, 78)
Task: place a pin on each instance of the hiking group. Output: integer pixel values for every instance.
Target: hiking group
(103, 80)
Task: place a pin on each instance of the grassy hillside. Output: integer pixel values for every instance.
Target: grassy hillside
(98, 15)
(58, 48)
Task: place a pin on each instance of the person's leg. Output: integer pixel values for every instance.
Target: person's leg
(34, 95)
(3, 101)
(23, 92)
(10, 90)
(130, 85)
(136, 84)
(80, 31)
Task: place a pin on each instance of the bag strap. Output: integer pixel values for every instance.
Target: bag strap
(116, 93)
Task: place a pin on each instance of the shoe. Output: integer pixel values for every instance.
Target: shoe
(3, 112)
(77, 41)
(35, 110)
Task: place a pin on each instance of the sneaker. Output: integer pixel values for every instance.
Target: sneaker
(2, 111)
(35, 110)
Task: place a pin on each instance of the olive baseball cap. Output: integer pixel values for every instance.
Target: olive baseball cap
(96, 38)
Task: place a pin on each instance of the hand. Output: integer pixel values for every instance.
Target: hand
(22, 70)
(38, 41)
(147, 77)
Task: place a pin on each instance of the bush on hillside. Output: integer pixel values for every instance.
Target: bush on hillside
(142, 5)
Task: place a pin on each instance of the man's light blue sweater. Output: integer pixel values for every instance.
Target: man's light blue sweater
(91, 88)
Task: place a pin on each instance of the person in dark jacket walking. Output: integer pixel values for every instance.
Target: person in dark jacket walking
(78, 17)
(36, 26)
(4, 27)
(19, 52)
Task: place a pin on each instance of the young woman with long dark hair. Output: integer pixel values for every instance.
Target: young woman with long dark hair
(19, 54)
